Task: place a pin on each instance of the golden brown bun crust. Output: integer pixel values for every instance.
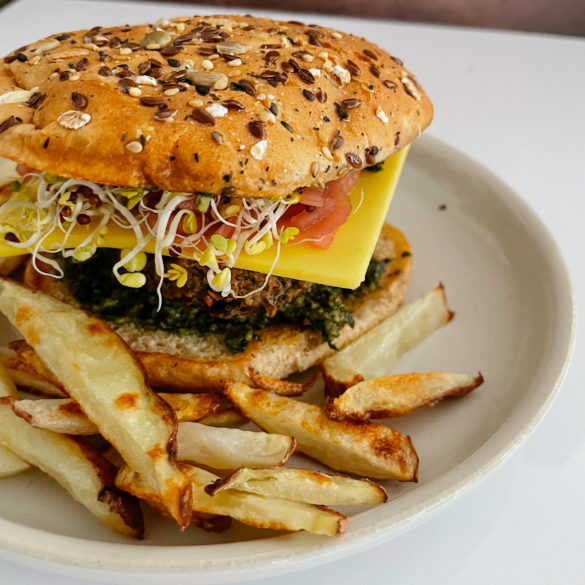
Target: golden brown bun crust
(183, 154)
(194, 363)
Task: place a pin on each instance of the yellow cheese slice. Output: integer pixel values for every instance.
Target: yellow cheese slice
(343, 264)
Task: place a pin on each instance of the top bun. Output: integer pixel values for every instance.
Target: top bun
(246, 106)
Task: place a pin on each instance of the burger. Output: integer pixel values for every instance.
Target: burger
(213, 187)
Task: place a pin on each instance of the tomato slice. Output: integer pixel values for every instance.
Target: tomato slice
(318, 215)
(323, 211)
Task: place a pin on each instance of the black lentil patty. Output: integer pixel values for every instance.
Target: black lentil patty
(195, 308)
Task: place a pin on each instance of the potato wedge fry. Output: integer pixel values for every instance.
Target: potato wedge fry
(222, 448)
(10, 464)
(366, 449)
(399, 394)
(375, 353)
(28, 356)
(77, 466)
(251, 509)
(60, 415)
(281, 387)
(7, 385)
(192, 407)
(207, 522)
(101, 374)
(215, 447)
(303, 485)
(226, 417)
(64, 415)
(31, 382)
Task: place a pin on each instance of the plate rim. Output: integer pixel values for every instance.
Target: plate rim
(98, 559)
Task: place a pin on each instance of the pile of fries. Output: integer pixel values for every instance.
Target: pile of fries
(99, 430)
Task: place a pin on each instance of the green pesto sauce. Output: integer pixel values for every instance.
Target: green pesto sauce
(322, 308)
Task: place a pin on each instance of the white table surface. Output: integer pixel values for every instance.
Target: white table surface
(515, 103)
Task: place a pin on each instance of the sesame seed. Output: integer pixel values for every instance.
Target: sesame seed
(75, 76)
(235, 62)
(196, 103)
(267, 116)
(134, 147)
(125, 51)
(135, 91)
(336, 35)
(172, 91)
(207, 64)
(315, 169)
(308, 57)
(217, 137)
(327, 153)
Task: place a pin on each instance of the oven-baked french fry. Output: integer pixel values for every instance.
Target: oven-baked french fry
(226, 417)
(60, 415)
(251, 509)
(367, 449)
(99, 372)
(191, 407)
(35, 365)
(207, 522)
(281, 387)
(10, 464)
(303, 485)
(375, 353)
(64, 415)
(222, 448)
(399, 394)
(29, 381)
(215, 447)
(77, 466)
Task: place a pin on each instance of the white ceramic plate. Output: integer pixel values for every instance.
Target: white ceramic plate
(506, 281)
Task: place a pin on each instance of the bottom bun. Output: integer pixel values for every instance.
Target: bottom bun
(192, 363)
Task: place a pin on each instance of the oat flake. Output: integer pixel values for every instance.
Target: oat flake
(73, 119)
(259, 149)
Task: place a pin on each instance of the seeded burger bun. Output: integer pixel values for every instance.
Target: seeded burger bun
(338, 103)
(223, 107)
